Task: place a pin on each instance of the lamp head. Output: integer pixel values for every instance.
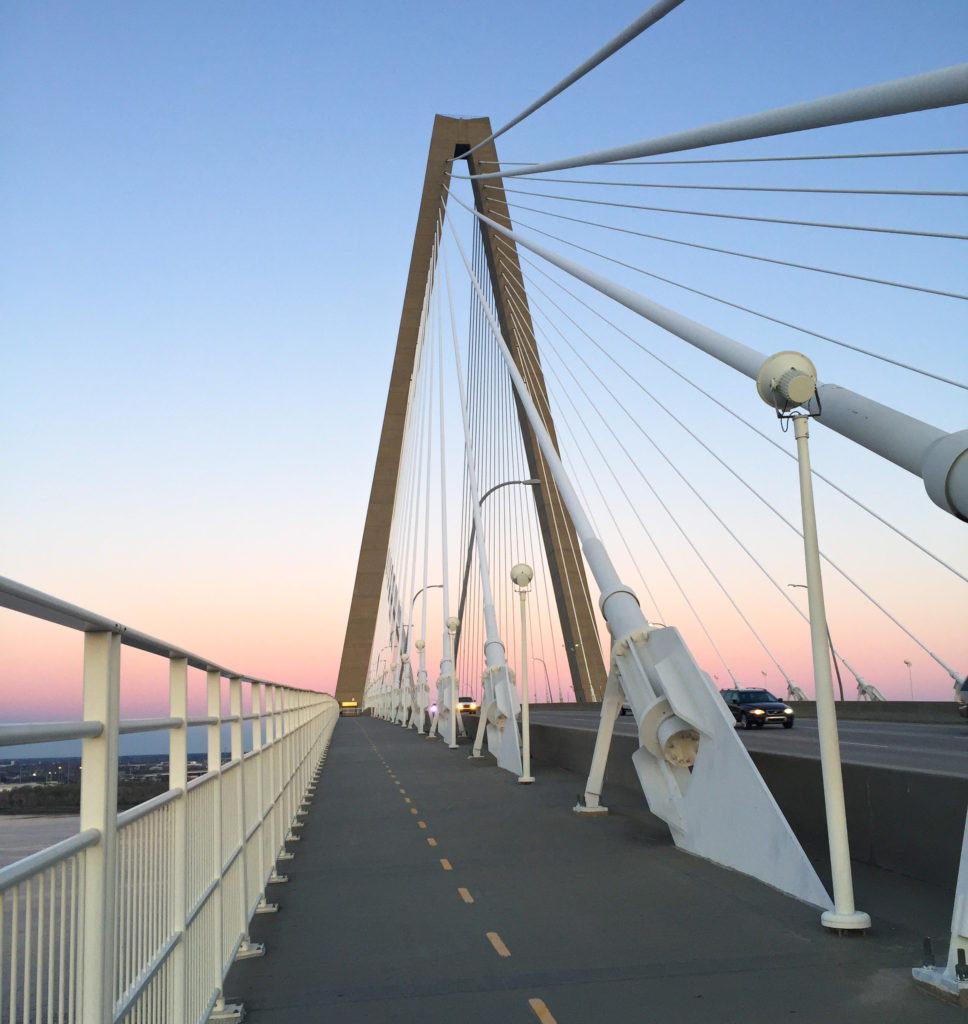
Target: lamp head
(787, 380)
(521, 574)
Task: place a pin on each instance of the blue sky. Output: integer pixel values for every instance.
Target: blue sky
(207, 212)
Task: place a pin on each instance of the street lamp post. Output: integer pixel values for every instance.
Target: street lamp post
(402, 718)
(910, 677)
(521, 576)
(787, 382)
(453, 624)
(470, 550)
(547, 678)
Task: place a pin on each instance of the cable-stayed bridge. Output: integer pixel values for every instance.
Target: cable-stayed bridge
(576, 391)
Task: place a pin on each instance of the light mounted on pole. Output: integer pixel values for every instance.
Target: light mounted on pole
(521, 576)
(452, 624)
(787, 381)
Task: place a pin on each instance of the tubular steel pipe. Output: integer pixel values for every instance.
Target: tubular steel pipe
(636, 28)
(944, 87)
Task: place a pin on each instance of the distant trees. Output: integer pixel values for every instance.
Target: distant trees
(66, 799)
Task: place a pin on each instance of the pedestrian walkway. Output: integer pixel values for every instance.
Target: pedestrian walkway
(431, 888)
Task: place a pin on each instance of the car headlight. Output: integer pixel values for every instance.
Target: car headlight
(788, 711)
(758, 711)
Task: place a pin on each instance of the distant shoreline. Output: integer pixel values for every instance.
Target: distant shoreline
(42, 801)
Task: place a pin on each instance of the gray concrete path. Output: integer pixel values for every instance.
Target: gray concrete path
(431, 888)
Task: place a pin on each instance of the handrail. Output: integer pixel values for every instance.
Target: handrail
(20, 598)
(17, 733)
(21, 870)
(128, 817)
(135, 725)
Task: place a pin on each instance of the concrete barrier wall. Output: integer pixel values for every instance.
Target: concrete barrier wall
(908, 822)
(928, 712)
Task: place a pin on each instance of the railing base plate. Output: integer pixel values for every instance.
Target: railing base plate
(227, 1013)
(599, 811)
(250, 951)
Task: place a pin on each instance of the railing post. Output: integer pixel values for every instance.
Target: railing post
(99, 810)
(178, 779)
(259, 701)
(247, 948)
(282, 769)
(291, 754)
(213, 691)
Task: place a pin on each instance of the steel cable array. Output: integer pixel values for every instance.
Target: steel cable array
(776, 262)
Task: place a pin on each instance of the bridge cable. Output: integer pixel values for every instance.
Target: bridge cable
(747, 360)
(530, 374)
(607, 508)
(728, 252)
(796, 530)
(712, 398)
(749, 159)
(734, 305)
(920, 193)
(830, 561)
(832, 225)
(658, 448)
(927, 91)
(446, 652)
(636, 28)
(615, 523)
(554, 506)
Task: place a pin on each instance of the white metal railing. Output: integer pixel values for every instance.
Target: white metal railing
(139, 916)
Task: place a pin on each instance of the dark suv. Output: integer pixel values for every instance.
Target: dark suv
(757, 707)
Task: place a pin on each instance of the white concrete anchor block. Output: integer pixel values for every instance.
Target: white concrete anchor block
(498, 718)
(682, 717)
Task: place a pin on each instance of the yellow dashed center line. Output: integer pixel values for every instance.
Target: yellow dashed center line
(445, 864)
(421, 824)
(413, 810)
(431, 841)
(467, 898)
(541, 1011)
(499, 947)
(406, 799)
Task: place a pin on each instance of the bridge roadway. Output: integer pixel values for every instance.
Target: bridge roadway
(910, 746)
(431, 888)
